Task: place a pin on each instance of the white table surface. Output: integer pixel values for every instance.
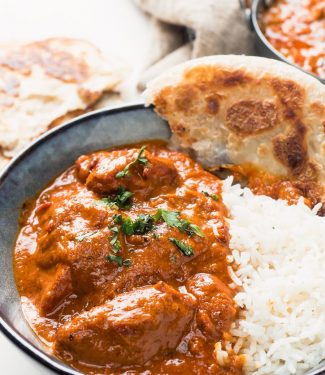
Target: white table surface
(115, 26)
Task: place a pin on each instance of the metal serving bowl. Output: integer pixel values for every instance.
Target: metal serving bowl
(253, 9)
(31, 171)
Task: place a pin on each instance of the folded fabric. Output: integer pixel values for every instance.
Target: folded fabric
(213, 27)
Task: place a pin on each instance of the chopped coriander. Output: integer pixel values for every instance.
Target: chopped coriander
(143, 224)
(127, 262)
(142, 159)
(155, 235)
(139, 159)
(127, 226)
(187, 250)
(195, 229)
(118, 219)
(171, 218)
(83, 236)
(212, 196)
(122, 199)
(123, 173)
(115, 259)
(114, 229)
(119, 260)
(115, 242)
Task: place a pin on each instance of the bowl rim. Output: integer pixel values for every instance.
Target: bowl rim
(5, 327)
(256, 26)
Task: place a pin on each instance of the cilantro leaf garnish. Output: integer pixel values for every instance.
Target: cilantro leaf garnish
(118, 260)
(127, 262)
(139, 159)
(123, 197)
(193, 228)
(212, 196)
(115, 242)
(123, 173)
(127, 226)
(169, 217)
(118, 219)
(121, 200)
(172, 219)
(144, 223)
(116, 245)
(141, 225)
(187, 250)
(83, 236)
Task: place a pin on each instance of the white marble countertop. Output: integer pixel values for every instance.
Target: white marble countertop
(115, 26)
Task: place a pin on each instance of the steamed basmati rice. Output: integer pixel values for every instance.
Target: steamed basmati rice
(280, 253)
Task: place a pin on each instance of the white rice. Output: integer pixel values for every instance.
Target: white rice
(280, 252)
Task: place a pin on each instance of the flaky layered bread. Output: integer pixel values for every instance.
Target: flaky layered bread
(43, 83)
(240, 109)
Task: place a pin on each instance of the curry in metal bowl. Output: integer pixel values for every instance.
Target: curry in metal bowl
(296, 28)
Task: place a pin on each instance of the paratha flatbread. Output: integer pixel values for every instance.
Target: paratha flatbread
(239, 109)
(43, 82)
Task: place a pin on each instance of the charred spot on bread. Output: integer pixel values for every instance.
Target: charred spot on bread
(208, 74)
(56, 63)
(179, 128)
(248, 117)
(291, 149)
(185, 97)
(212, 104)
(237, 77)
(291, 97)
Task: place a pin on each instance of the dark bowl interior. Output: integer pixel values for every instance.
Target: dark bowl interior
(32, 170)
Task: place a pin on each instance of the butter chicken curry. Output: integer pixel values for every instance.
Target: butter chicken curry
(121, 264)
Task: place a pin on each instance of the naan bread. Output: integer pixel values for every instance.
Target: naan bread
(44, 83)
(239, 109)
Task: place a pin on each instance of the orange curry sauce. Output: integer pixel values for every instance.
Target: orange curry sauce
(121, 264)
(296, 28)
(276, 187)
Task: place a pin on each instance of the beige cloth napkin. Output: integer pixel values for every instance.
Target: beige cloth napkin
(215, 27)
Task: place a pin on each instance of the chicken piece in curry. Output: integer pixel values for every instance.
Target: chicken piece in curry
(121, 263)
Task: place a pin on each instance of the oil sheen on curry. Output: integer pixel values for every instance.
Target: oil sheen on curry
(121, 263)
